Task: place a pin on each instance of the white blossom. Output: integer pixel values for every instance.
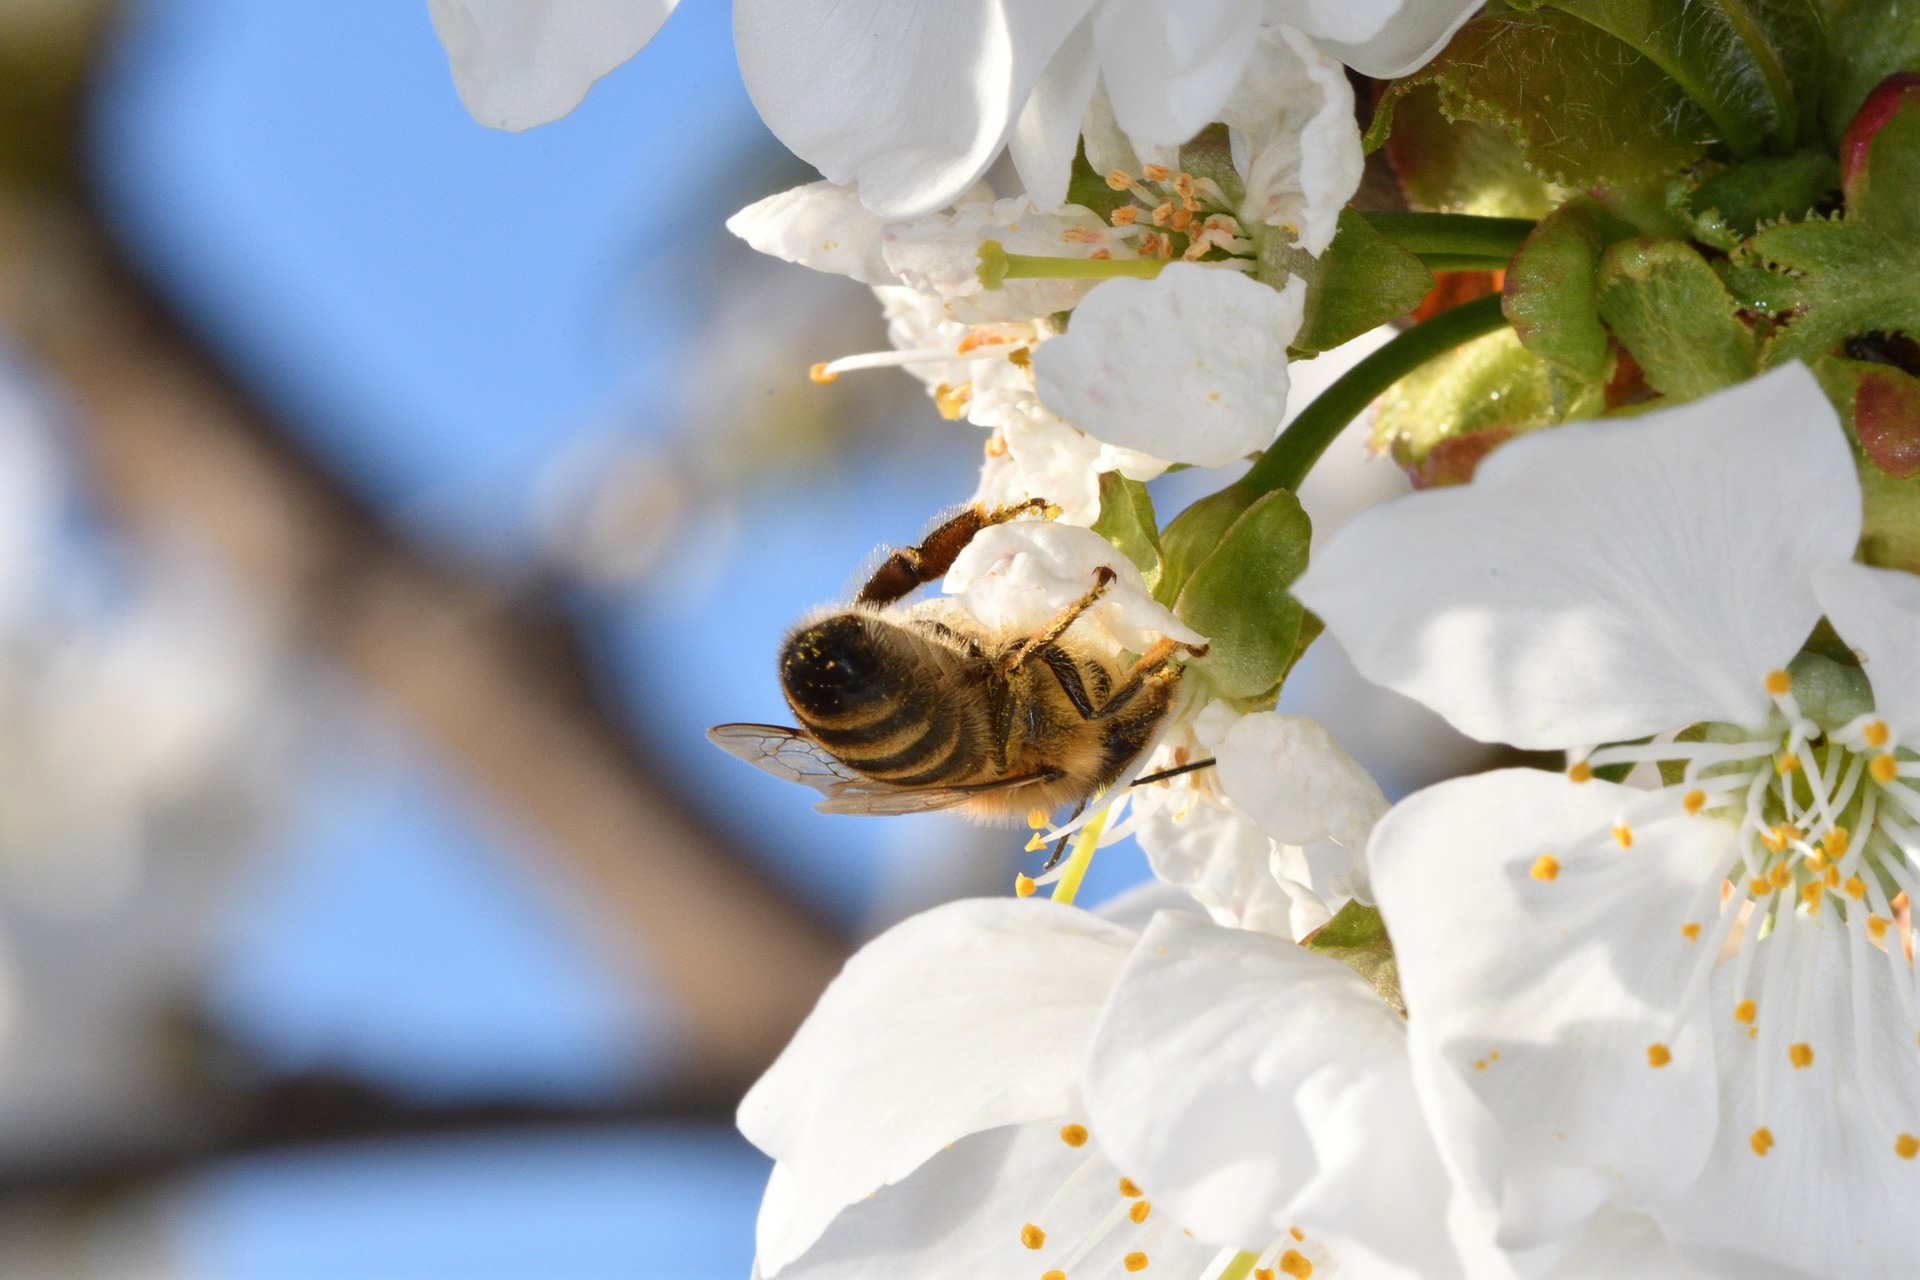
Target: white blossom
(521, 63)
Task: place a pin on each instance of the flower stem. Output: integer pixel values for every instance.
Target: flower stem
(1453, 241)
(1287, 461)
(997, 266)
(1080, 859)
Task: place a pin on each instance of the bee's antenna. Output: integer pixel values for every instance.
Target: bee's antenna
(1164, 774)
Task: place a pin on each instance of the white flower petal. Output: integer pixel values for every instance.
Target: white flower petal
(1294, 139)
(1251, 1086)
(940, 254)
(1219, 857)
(1168, 68)
(1404, 44)
(1832, 1197)
(1621, 1245)
(1048, 129)
(1534, 991)
(1604, 581)
(821, 225)
(1021, 574)
(912, 103)
(1877, 611)
(1294, 779)
(1190, 366)
(958, 1217)
(1332, 21)
(967, 1017)
(519, 63)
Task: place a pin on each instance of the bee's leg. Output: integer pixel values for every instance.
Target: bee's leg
(1060, 845)
(907, 568)
(1043, 638)
(1153, 663)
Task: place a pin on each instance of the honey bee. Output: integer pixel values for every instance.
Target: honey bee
(907, 708)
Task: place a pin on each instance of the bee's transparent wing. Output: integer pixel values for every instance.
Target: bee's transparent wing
(791, 754)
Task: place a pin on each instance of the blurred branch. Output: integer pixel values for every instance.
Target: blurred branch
(175, 446)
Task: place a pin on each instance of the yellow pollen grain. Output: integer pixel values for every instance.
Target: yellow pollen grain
(1295, 1264)
(1036, 818)
(1690, 931)
(1744, 1011)
(1545, 867)
(1834, 843)
(1140, 1210)
(1658, 1055)
(1135, 1261)
(1761, 1141)
(1800, 1055)
(1125, 214)
(1855, 888)
(821, 374)
(1023, 886)
(1118, 179)
(1032, 1236)
(1036, 842)
(1788, 763)
(1778, 682)
(1623, 834)
(1875, 734)
(1877, 927)
(1580, 771)
(1128, 1189)
(1155, 173)
(1074, 1135)
(1693, 801)
(1053, 1275)
(1884, 769)
(1906, 1146)
(1779, 877)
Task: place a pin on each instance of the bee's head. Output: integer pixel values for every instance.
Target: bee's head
(835, 667)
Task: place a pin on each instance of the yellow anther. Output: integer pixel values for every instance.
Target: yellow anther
(1036, 818)
(1658, 1055)
(952, 401)
(1297, 1234)
(1778, 682)
(1036, 842)
(1816, 861)
(1155, 173)
(1690, 931)
(1800, 1055)
(1293, 1263)
(1875, 734)
(1787, 763)
(1778, 876)
(1694, 801)
(1776, 838)
(1832, 879)
(1545, 867)
(1139, 1210)
(1480, 1064)
(1623, 835)
(1032, 1236)
(1053, 1275)
(1128, 1189)
(1163, 213)
(1758, 887)
(1182, 219)
(1074, 1135)
(1580, 771)
(1877, 927)
(1118, 179)
(1135, 1261)
(1023, 886)
(1744, 1011)
(1834, 843)
(1263, 1273)
(821, 374)
(1906, 1146)
(1810, 894)
(1761, 1141)
(1855, 888)
(1125, 214)
(1884, 769)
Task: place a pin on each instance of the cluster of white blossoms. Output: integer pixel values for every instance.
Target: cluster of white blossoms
(1667, 1027)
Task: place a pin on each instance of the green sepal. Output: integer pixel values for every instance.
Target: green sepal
(1552, 293)
(1358, 283)
(1209, 154)
(1886, 193)
(1191, 536)
(1357, 937)
(1842, 277)
(1829, 692)
(1127, 521)
(1730, 205)
(1867, 41)
(1672, 312)
(1489, 385)
(1608, 113)
(1889, 504)
(1237, 597)
(1753, 66)
(1463, 166)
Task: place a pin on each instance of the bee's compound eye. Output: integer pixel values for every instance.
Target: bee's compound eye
(832, 667)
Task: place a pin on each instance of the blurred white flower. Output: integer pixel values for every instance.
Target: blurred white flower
(519, 63)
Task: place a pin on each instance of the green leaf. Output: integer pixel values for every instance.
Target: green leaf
(1867, 41)
(1492, 384)
(1237, 597)
(1552, 293)
(1753, 66)
(1193, 534)
(1360, 282)
(1843, 278)
(1730, 205)
(1582, 107)
(1671, 311)
(1357, 937)
(1127, 521)
(1463, 166)
(1890, 504)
